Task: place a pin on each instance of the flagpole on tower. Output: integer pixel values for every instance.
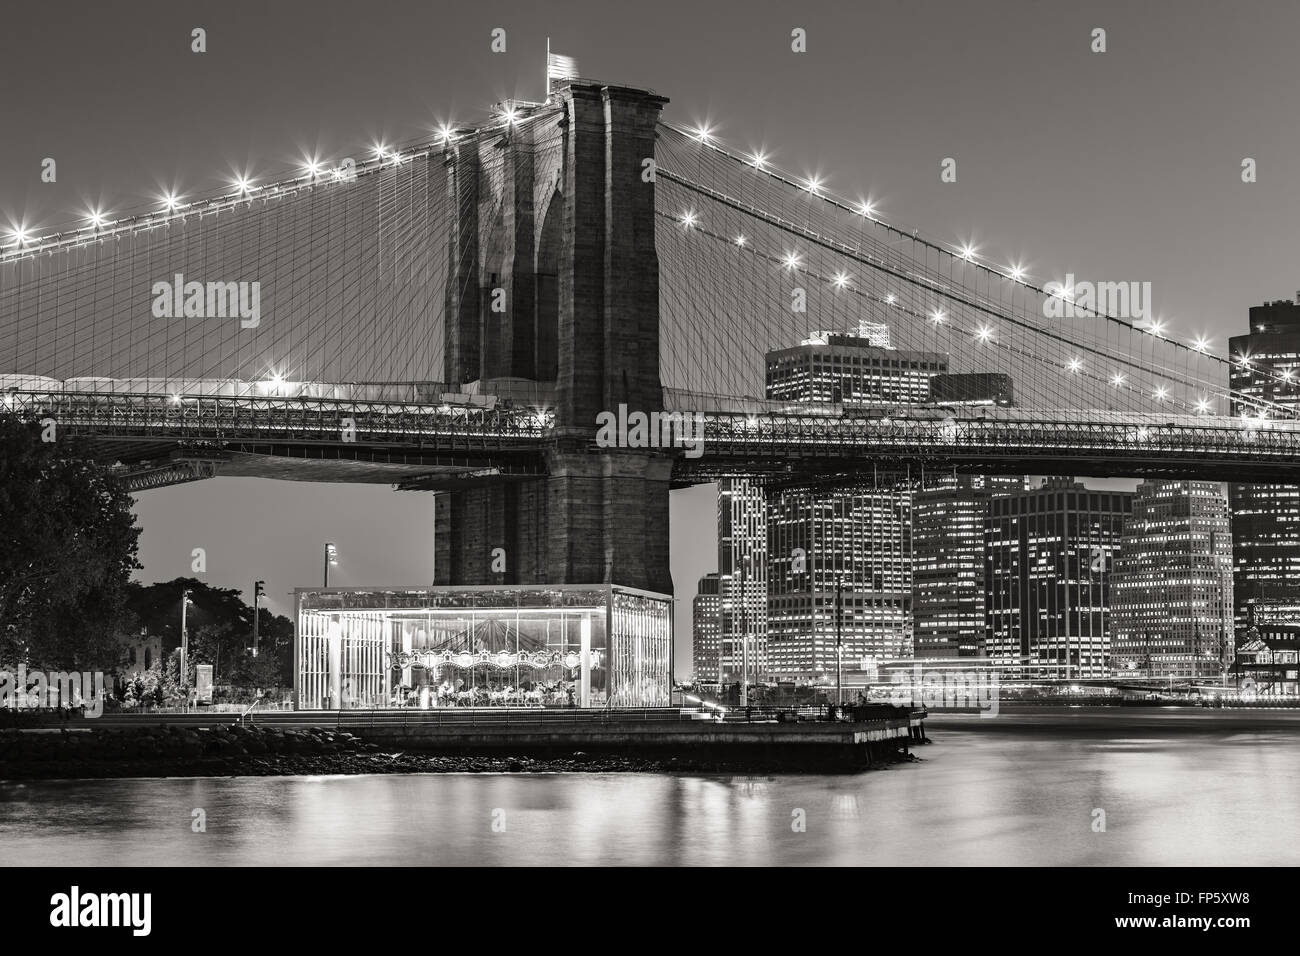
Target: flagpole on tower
(547, 88)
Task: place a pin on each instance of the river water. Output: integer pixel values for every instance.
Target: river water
(1179, 787)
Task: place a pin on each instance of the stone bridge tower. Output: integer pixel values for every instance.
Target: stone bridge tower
(553, 285)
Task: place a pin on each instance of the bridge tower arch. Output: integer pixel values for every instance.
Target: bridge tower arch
(567, 236)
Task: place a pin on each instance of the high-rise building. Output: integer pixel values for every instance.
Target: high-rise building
(1171, 589)
(843, 557)
(840, 562)
(1049, 553)
(706, 629)
(948, 516)
(742, 573)
(1265, 373)
(856, 369)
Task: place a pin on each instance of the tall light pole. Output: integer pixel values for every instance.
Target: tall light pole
(744, 640)
(259, 588)
(185, 648)
(331, 557)
(839, 641)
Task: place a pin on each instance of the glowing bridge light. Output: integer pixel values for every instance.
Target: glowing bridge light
(703, 133)
(1288, 375)
(937, 316)
(689, 218)
(1156, 328)
(741, 240)
(444, 132)
(1202, 406)
(20, 235)
(814, 185)
(891, 299)
(243, 185)
(381, 151)
(968, 252)
(1202, 344)
(983, 334)
(1244, 361)
(1117, 379)
(312, 167)
(176, 399)
(510, 114)
(170, 201)
(96, 218)
(759, 160)
(1075, 365)
(840, 280)
(1161, 393)
(865, 208)
(1017, 272)
(792, 260)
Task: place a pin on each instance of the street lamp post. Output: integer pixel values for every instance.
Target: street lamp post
(185, 649)
(839, 642)
(331, 557)
(744, 640)
(258, 588)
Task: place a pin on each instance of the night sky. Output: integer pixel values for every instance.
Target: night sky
(1123, 165)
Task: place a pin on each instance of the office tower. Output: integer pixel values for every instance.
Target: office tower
(849, 548)
(742, 573)
(1171, 589)
(1265, 372)
(856, 369)
(1049, 553)
(948, 516)
(706, 629)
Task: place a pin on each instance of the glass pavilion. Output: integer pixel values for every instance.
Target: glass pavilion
(523, 645)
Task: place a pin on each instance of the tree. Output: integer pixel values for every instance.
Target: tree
(220, 626)
(68, 544)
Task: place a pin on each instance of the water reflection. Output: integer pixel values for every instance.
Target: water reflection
(1203, 797)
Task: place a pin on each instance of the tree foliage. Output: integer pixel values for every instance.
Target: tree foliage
(68, 544)
(220, 625)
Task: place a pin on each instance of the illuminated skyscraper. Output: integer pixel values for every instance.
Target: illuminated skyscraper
(1171, 590)
(856, 369)
(706, 629)
(1049, 553)
(850, 542)
(948, 518)
(742, 573)
(1266, 518)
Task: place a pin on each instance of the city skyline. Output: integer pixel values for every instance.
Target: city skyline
(113, 166)
(584, 434)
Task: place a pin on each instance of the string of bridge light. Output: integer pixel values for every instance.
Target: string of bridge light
(983, 333)
(690, 219)
(98, 224)
(815, 186)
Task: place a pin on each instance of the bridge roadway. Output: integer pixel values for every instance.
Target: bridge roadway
(163, 440)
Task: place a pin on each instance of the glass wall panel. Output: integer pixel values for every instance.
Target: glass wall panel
(461, 647)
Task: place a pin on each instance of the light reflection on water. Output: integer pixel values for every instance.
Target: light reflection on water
(1212, 796)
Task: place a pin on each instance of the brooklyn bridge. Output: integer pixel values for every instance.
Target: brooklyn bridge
(456, 315)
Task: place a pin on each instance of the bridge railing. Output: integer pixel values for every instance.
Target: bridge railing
(303, 418)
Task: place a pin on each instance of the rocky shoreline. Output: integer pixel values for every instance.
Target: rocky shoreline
(260, 751)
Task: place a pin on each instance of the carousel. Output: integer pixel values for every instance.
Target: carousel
(518, 646)
(490, 663)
